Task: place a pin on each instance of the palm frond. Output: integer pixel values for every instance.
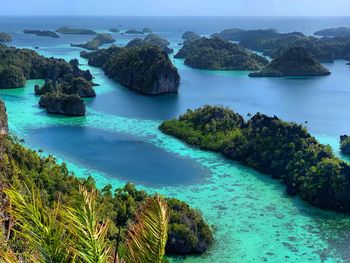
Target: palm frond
(83, 222)
(146, 239)
(38, 225)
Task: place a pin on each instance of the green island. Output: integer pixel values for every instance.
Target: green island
(146, 69)
(75, 31)
(190, 36)
(345, 144)
(151, 40)
(333, 32)
(22, 168)
(134, 32)
(41, 33)
(294, 61)
(219, 54)
(147, 30)
(4, 37)
(19, 65)
(96, 42)
(114, 30)
(283, 150)
(236, 34)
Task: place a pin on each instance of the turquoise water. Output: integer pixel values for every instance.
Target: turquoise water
(119, 141)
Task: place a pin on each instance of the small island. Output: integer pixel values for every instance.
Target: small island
(147, 30)
(236, 34)
(41, 33)
(190, 36)
(114, 30)
(64, 104)
(4, 37)
(284, 150)
(151, 40)
(96, 42)
(75, 31)
(345, 144)
(294, 61)
(333, 32)
(134, 32)
(145, 69)
(219, 54)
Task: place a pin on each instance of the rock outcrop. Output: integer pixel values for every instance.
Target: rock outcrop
(146, 69)
(295, 61)
(3, 119)
(59, 103)
(219, 54)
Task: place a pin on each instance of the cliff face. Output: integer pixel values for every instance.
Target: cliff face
(3, 119)
(146, 69)
(295, 61)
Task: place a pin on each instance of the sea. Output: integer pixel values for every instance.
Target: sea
(118, 141)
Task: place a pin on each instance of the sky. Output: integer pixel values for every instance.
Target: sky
(177, 7)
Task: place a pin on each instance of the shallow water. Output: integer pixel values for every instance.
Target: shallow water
(119, 141)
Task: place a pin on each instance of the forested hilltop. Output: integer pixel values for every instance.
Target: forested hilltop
(284, 150)
(22, 169)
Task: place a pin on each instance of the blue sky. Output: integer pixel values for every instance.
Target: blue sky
(177, 7)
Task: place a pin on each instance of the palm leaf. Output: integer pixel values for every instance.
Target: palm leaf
(146, 239)
(83, 222)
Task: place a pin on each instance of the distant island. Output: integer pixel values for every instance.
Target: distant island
(41, 33)
(134, 32)
(4, 37)
(96, 42)
(153, 40)
(114, 30)
(19, 65)
(294, 61)
(3, 119)
(146, 69)
(75, 31)
(190, 36)
(333, 32)
(147, 30)
(272, 43)
(219, 54)
(284, 150)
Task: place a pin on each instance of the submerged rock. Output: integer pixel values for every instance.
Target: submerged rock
(59, 103)
(295, 61)
(146, 69)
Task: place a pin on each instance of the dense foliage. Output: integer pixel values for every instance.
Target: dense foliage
(151, 40)
(96, 42)
(294, 61)
(4, 37)
(146, 69)
(284, 150)
(11, 77)
(41, 33)
(219, 54)
(75, 31)
(21, 167)
(345, 144)
(333, 32)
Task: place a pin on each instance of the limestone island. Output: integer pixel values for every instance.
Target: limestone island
(188, 232)
(75, 31)
(333, 32)
(145, 69)
(286, 151)
(147, 30)
(294, 61)
(64, 104)
(4, 37)
(41, 33)
(96, 42)
(345, 144)
(151, 40)
(19, 65)
(219, 54)
(190, 36)
(134, 32)
(114, 30)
